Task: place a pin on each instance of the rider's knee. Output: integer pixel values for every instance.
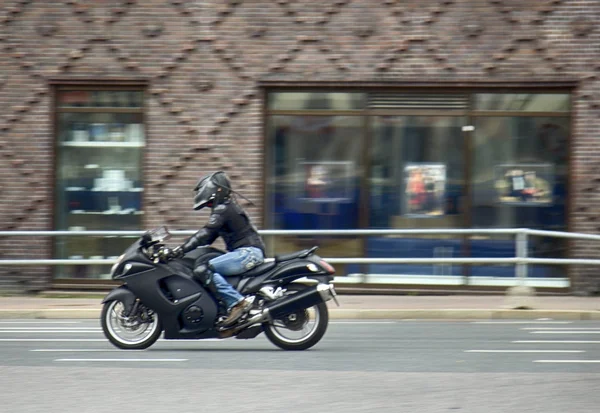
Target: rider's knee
(204, 274)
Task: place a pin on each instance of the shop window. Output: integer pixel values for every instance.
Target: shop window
(99, 185)
(422, 171)
(519, 180)
(314, 182)
(417, 181)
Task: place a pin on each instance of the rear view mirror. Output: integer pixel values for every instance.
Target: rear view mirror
(146, 239)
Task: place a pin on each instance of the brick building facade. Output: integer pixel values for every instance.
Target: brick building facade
(206, 67)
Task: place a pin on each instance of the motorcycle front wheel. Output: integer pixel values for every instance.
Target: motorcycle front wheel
(299, 330)
(136, 332)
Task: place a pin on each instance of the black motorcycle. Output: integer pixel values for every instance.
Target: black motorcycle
(158, 294)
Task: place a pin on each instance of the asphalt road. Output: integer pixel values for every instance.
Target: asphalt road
(359, 366)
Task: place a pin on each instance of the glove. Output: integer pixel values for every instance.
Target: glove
(165, 254)
(177, 252)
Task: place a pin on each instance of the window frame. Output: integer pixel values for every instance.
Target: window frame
(470, 114)
(57, 85)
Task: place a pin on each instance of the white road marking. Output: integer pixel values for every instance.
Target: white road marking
(554, 342)
(560, 328)
(50, 331)
(362, 322)
(566, 361)
(75, 350)
(40, 322)
(120, 360)
(565, 332)
(521, 322)
(54, 339)
(49, 328)
(524, 351)
(179, 342)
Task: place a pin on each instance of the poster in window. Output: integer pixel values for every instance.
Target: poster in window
(524, 184)
(327, 181)
(425, 189)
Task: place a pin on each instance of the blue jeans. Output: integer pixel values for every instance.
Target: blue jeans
(234, 263)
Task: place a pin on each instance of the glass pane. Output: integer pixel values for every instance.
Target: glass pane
(99, 185)
(314, 180)
(101, 98)
(523, 102)
(519, 181)
(81, 129)
(417, 181)
(315, 101)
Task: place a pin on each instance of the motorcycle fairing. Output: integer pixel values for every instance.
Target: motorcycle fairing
(158, 290)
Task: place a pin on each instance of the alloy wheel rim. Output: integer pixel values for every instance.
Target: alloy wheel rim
(128, 334)
(278, 328)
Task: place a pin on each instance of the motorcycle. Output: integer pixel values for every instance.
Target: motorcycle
(159, 294)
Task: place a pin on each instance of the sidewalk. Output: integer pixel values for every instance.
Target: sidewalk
(401, 307)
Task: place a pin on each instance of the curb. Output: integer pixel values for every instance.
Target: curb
(353, 314)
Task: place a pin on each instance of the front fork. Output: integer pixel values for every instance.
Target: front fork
(138, 313)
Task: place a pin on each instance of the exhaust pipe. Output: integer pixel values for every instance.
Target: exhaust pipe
(317, 294)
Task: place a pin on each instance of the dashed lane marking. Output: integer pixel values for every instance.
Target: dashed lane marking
(123, 359)
(565, 332)
(554, 342)
(521, 322)
(524, 351)
(50, 331)
(566, 361)
(50, 328)
(560, 328)
(54, 339)
(78, 350)
(40, 322)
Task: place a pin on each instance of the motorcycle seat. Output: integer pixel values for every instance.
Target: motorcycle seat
(267, 265)
(297, 254)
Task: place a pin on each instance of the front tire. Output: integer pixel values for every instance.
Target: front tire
(311, 324)
(137, 332)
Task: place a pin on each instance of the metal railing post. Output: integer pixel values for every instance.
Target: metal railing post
(271, 247)
(522, 246)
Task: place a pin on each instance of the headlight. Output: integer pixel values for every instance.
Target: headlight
(115, 265)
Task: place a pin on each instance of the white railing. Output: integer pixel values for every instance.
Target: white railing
(521, 260)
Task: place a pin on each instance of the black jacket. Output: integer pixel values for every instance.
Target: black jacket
(230, 222)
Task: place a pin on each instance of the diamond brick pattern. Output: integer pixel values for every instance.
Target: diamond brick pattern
(203, 62)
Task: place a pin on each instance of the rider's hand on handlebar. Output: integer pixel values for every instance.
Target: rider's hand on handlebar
(165, 254)
(177, 252)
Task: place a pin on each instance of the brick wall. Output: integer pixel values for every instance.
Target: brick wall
(204, 60)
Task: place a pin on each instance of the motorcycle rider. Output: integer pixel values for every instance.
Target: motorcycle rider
(246, 248)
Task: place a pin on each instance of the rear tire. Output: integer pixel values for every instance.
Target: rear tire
(128, 333)
(275, 330)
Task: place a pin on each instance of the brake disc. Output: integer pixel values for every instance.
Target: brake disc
(296, 321)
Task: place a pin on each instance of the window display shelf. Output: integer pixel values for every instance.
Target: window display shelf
(77, 189)
(101, 144)
(107, 213)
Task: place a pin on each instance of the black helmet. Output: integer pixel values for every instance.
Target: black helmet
(212, 190)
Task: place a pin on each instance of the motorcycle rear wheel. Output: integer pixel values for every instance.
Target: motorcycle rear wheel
(311, 323)
(128, 333)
